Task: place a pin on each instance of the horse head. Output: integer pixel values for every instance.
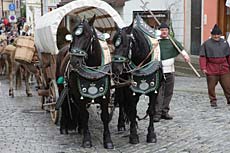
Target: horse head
(122, 41)
(84, 44)
(130, 45)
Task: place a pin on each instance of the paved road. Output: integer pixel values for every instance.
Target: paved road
(196, 127)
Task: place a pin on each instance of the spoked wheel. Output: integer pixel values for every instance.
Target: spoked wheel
(43, 95)
(53, 96)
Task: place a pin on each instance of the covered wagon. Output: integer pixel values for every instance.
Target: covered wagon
(50, 31)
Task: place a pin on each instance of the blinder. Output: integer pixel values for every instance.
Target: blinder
(79, 30)
(119, 59)
(78, 52)
(118, 42)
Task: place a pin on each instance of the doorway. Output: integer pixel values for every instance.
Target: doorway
(195, 26)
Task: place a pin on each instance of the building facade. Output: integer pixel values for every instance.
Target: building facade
(191, 20)
(5, 10)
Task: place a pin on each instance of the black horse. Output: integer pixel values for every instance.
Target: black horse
(132, 64)
(86, 82)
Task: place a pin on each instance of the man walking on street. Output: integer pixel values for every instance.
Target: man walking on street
(168, 54)
(214, 63)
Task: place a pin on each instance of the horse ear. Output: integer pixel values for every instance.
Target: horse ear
(129, 28)
(91, 21)
(116, 26)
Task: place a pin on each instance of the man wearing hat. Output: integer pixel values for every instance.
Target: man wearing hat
(214, 63)
(168, 54)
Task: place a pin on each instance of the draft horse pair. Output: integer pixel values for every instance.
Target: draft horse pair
(87, 80)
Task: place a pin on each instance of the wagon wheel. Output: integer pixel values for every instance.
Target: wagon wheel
(111, 106)
(42, 98)
(53, 96)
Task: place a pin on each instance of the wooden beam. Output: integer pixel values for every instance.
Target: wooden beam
(103, 16)
(83, 10)
(106, 29)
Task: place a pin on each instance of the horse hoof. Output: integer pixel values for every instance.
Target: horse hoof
(151, 138)
(134, 140)
(11, 93)
(80, 131)
(29, 95)
(121, 128)
(108, 145)
(87, 144)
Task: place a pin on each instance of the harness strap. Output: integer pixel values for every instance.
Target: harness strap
(150, 53)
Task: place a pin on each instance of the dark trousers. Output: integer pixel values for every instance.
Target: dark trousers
(165, 95)
(212, 81)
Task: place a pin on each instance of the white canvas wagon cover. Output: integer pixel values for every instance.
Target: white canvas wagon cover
(46, 27)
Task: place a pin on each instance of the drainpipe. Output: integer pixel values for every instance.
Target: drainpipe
(41, 7)
(2, 8)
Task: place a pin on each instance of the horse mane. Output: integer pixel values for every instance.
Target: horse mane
(141, 48)
(94, 57)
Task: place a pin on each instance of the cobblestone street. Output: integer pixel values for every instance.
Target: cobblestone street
(195, 128)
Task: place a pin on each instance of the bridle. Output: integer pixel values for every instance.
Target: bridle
(80, 52)
(126, 61)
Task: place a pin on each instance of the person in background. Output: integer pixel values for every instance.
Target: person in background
(214, 62)
(168, 54)
(12, 35)
(26, 30)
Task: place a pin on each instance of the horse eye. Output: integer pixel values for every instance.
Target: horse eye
(79, 31)
(118, 42)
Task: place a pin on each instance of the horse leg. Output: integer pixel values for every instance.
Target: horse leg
(132, 113)
(79, 122)
(64, 117)
(11, 90)
(38, 79)
(108, 144)
(121, 119)
(151, 136)
(86, 143)
(119, 98)
(11, 76)
(1, 64)
(28, 89)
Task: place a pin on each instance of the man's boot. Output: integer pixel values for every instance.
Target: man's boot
(156, 118)
(166, 116)
(213, 103)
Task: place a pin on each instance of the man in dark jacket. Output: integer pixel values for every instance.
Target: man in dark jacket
(214, 63)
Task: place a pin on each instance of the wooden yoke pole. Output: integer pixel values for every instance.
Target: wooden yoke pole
(144, 7)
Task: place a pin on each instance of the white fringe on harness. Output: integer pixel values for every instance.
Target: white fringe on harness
(106, 52)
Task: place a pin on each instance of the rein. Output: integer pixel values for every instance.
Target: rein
(150, 53)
